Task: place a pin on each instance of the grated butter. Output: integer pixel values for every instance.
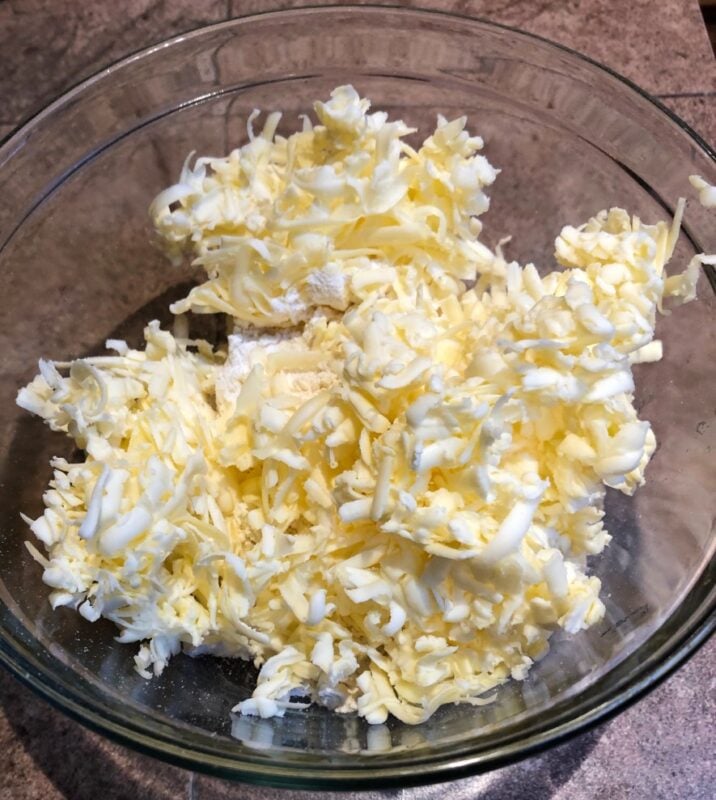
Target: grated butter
(384, 492)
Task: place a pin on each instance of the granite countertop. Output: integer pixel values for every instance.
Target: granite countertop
(660, 748)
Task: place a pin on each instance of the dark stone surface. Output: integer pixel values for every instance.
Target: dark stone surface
(660, 748)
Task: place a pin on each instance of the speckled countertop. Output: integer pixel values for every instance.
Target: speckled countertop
(660, 748)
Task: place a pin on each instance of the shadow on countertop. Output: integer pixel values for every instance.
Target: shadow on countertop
(80, 764)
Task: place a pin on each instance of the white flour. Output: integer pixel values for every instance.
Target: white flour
(326, 287)
(249, 347)
(291, 305)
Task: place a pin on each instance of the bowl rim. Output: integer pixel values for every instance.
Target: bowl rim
(651, 671)
(35, 116)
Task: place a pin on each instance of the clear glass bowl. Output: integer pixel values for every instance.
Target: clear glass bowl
(77, 266)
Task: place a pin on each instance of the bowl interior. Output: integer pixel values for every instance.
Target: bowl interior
(78, 266)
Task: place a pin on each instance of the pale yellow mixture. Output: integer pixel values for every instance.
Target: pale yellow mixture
(384, 488)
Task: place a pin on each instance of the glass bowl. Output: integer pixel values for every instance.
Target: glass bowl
(77, 266)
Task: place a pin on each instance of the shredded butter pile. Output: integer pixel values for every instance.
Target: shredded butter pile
(385, 489)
